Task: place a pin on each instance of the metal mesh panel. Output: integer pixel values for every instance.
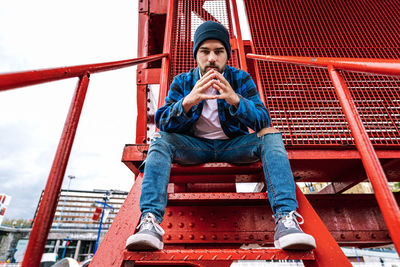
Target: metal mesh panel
(188, 16)
(302, 100)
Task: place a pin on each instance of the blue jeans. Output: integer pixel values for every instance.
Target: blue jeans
(166, 148)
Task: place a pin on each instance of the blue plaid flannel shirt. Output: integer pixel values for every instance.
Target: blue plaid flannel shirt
(251, 112)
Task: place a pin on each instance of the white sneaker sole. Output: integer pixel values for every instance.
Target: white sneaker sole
(143, 242)
(299, 241)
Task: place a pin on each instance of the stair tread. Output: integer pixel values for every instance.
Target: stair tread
(217, 196)
(217, 254)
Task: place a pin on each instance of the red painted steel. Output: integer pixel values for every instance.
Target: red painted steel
(384, 196)
(242, 56)
(110, 252)
(328, 252)
(165, 68)
(25, 78)
(368, 65)
(218, 255)
(47, 208)
(302, 101)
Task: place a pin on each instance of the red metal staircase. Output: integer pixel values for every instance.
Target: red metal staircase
(207, 222)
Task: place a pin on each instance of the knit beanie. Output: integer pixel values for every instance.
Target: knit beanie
(211, 30)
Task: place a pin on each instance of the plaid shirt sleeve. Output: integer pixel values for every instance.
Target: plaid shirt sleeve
(251, 110)
(171, 117)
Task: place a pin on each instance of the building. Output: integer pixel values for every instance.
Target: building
(74, 232)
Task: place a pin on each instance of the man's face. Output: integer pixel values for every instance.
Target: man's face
(211, 55)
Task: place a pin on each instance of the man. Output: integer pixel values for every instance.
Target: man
(205, 118)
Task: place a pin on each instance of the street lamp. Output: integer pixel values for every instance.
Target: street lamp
(65, 198)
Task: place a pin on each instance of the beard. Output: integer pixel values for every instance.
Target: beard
(208, 67)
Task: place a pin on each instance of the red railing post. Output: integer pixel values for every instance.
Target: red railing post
(242, 56)
(48, 204)
(166, 50)
(373, 168)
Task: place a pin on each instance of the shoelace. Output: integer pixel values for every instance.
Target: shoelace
(150, 221)
(290, 221)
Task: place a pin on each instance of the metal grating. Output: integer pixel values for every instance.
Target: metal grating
(188, 16)
(301, 100)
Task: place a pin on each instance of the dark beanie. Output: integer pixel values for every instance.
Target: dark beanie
(211, 30)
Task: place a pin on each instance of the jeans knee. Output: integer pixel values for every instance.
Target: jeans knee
(266, 131)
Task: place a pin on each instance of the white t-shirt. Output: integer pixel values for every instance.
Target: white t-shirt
(208, 125)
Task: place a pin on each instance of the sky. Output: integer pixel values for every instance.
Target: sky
(44, 34)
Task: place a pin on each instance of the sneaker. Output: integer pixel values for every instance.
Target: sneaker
(149, 236)
(288, 234)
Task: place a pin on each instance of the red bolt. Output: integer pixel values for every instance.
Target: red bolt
(169, 213)
(357, 236)
(251, 236)
(180, 237)
(168, 237)
(202, 219)
(214, 237)
(169, 225)
(373, 236)
(342, 236)
(191, 237)
(191, 225)
(213, 225)
(266, 237)
(181, 225)
(202, 237)
(181, 213)
(191, 213)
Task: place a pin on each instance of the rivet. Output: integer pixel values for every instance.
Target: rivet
(191, 225)
(181, 213)
(169, 225)
(180, 237)
(373, 236)
(202, 219)
(226, 237)
(191, 213)
(236, 225)
(181, 225)
(168, 237)
(212, 213)
(213, 225)
(214, 237)
(191, 237)
(251, 236)
(342, 236)
(266, 237)
(169, 213)
(202, 237)
(236, 237)
(357, 236)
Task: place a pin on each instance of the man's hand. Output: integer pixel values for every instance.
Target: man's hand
(226, 91)
(198, 92)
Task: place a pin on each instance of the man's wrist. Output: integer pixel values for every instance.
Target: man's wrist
(186, 106)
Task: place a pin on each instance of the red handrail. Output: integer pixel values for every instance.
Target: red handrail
(385, 198)
(368, 65)
(48, 204)
(25, 78)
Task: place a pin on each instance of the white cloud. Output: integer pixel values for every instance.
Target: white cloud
(44, 34)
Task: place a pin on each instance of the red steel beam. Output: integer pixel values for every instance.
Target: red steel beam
(25, 78)
(166, 50)
(47, 208)
(242, 56)
(373, 168)
(369, 65)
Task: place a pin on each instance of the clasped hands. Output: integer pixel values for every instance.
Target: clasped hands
(216, 80)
